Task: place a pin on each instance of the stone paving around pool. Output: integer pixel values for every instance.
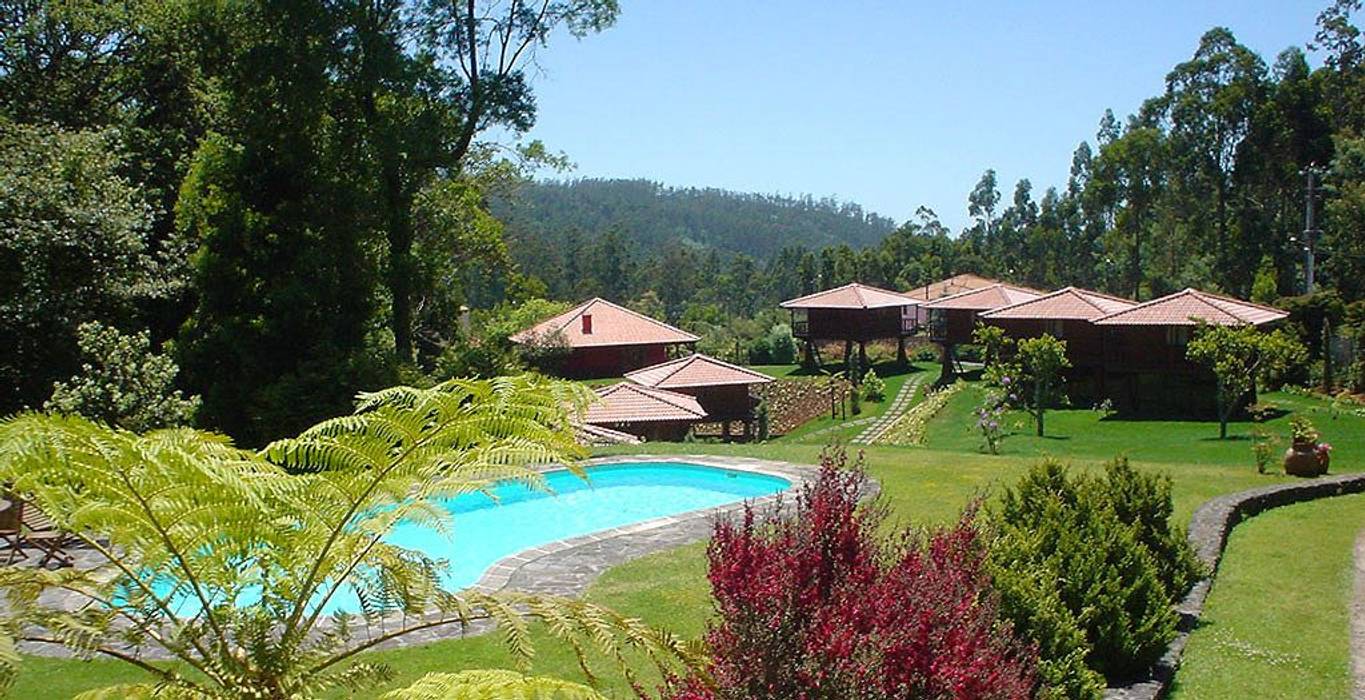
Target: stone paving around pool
(562, 568)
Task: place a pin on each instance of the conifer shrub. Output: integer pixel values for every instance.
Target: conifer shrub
(1089, 568)
(874, 387)
(816, 604)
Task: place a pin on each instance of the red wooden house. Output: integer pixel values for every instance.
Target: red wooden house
(605, 339)
(1145, 345)
(953, 318)
(956, 284)
(723, 390)
(853, 313)
(1066, 314)
(652, 414)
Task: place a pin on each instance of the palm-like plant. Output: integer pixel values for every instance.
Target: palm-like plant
(227, 559)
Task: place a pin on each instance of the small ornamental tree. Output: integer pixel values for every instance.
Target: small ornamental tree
(1238, 357)
(1042, 360)
(816, 604)
(995, 345)
(122, 382)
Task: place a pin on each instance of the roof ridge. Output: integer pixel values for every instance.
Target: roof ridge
(651, 319)
(667, 396)
(682, 363)
(568, 315)
(1235, 300)
(1139, 305)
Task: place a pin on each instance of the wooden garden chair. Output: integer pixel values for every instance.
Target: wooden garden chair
(40, 532)
(11, 532)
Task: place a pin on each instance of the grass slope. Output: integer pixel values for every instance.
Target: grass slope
(1277, 622)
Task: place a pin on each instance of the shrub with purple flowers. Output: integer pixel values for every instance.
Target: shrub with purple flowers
(990, 419)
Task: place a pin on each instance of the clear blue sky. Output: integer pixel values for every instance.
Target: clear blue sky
(888, 104)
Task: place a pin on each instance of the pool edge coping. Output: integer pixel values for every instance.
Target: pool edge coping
(499, 574)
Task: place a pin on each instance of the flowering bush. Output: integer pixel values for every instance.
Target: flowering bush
(1324, 452)
(815, 604)
(990, 416)
(912, 427)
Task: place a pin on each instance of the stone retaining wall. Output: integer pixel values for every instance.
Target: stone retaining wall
(1208, 534)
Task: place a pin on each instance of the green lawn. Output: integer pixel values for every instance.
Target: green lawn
(930, 485)
(1277, 623)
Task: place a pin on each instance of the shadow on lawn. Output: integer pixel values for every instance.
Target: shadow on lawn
(883, 369)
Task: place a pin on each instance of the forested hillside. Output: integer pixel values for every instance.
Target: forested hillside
(652, 216)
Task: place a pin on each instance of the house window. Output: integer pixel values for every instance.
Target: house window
(587, 324)
(1056, 328)
(1178, 336)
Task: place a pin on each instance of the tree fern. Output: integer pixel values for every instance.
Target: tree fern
(189, 526)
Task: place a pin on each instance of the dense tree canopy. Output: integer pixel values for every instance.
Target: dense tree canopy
(302, 195)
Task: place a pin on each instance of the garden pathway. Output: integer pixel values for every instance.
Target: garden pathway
(888, 418)
(1358, 620)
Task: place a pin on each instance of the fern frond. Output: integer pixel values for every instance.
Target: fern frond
(492, 685)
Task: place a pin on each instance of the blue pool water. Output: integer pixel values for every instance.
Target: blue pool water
(484, 530)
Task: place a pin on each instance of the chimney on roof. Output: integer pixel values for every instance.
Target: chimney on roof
(587, 324)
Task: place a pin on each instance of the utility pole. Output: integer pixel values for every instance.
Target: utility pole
(1312, 190)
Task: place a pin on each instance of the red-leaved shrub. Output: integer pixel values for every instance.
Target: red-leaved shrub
(816, 603)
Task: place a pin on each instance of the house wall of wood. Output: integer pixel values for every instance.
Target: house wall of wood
(952, 326)
(730, 402)
(608, 361)
(858, 325)
(1084, 340)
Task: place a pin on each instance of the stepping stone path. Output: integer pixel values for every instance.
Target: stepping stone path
(888, 418)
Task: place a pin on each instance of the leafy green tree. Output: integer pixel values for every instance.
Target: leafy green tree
(184, 521)
(73, 248)
(649, 304)
(1134, 165)
(1210, 101)
(455, 241)
(1042, 360)
(123, 383)
(427, 79)
(1265, 289)
(1238, 356)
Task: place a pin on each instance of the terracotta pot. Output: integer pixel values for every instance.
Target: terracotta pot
(1304, 462)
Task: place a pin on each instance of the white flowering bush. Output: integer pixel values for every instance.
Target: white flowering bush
(912, 428)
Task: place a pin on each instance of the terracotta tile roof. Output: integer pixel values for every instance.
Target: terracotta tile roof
(626, 402)
(1183, 308)
(992, 297)
(850, 296)
(596, 435)
(953, 285)
(611, 325)
(693, 371)
(1065, 303)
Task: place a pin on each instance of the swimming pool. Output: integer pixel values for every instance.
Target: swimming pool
(484, 530)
